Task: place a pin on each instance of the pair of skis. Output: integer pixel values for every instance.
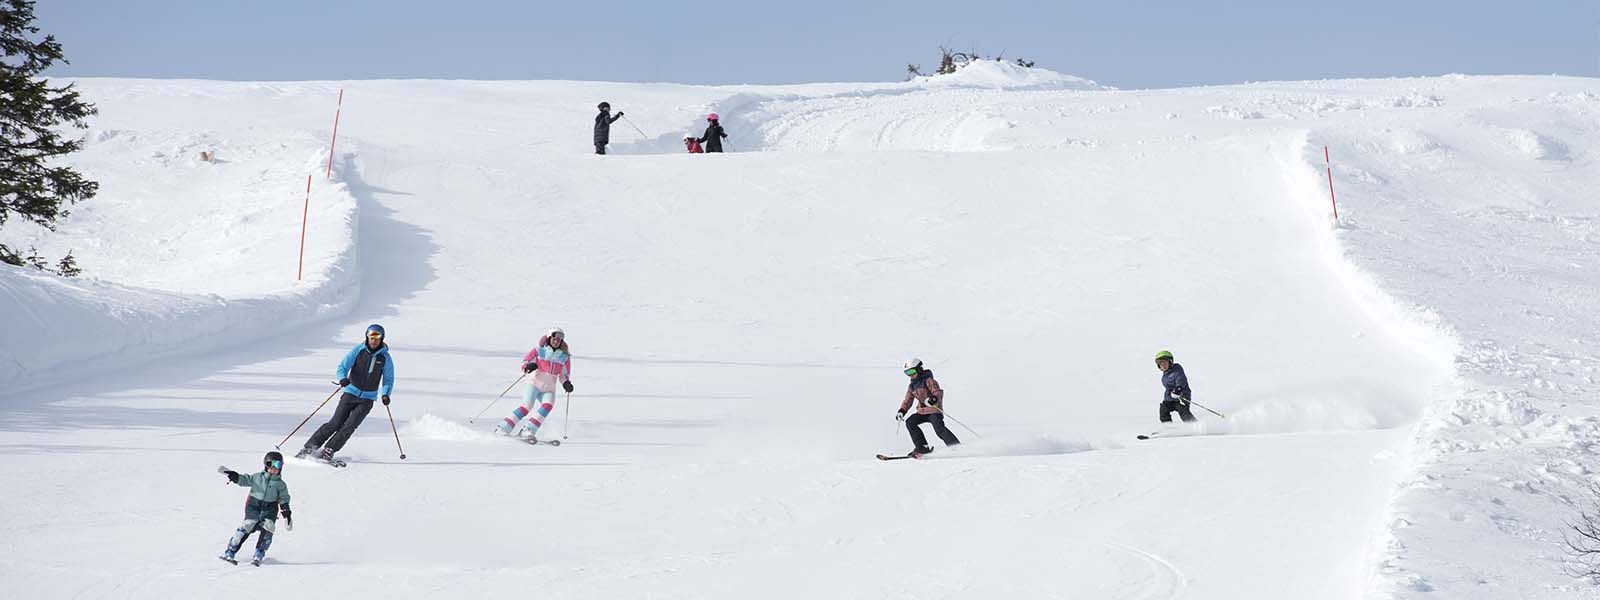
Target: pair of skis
(254, 562)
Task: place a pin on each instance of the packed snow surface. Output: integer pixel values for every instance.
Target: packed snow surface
(1409, 392)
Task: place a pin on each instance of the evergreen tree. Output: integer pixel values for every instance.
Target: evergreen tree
(34, 185)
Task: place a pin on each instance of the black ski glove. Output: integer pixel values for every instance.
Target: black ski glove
(288, 519)
(900, 416)
(619, 114)
(233, 476)
(567, 385)
(385, 399)
(344, 382)
(530, 367)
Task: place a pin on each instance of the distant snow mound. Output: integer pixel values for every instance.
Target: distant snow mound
(1536, 145)
(991, 74)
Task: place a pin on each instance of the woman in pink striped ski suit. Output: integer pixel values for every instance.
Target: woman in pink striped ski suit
(551, 365)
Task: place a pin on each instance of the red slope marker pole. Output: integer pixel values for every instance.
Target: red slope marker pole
(1331, 198)
(336, 112)
(305, 212)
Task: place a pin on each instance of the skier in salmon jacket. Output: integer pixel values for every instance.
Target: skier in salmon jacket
(268, 493)
(366, 374)
(1176, 395)
(551, 365)
(929, 398)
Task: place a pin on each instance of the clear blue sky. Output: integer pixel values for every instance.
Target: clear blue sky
(1129, 44)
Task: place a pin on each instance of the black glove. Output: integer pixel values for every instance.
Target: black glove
(233, 476)
(619, 114)
(900, 416)
(385, 399)
(344, 382)
(530, 367)
(567, 385)
(288, 519)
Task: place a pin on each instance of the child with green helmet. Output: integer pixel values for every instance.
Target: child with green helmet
(1176, 396)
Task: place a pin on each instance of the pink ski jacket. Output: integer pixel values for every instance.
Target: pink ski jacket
(555, 365)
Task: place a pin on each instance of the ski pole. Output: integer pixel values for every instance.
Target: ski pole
(279, 446)
(1207, 409)
(566, 416)
(953, 419)
(635, 127)
(497, 398)
(396, 431)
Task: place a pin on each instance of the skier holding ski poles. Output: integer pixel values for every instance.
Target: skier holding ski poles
(924, 390)
(551, 365)
(366, 374)
(602, 127)
(268, 493)
(1177, 393)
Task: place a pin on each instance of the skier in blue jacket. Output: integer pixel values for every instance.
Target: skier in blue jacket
(367, 374)
(1177, 393)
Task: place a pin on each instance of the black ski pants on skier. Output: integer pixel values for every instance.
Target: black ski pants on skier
(600, 148)
(914, 424)
(351, 412)
(1182, 408)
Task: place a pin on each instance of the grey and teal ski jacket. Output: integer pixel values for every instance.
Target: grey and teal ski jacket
(371, 372)
(1176, 384)
(268, 493)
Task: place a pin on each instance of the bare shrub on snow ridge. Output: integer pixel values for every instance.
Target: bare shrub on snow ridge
(1583, 541)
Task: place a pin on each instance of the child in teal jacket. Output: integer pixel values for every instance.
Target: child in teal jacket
(268, 493)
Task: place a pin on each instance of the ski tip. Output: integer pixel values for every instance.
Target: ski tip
(555, 442)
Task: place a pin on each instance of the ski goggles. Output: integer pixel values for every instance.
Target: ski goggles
(275, 464)
(373, 335)
(912, 372)
(558, 336)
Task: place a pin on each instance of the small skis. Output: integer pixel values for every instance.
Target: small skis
(1151, 435)
(537, 442)
(898, 456)
(256, 562)
(229, 559)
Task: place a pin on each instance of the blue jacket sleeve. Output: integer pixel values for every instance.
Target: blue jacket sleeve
(388, 376)
(348, 362)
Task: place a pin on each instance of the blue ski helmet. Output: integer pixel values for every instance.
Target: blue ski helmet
(376, 328)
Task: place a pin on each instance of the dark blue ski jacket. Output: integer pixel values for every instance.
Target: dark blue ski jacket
(1176, 383)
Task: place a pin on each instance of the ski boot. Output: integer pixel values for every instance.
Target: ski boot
(920, 451)
(304, 452)
(228, 556)
(260, 556)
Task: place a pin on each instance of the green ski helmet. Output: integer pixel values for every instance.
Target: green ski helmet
(1164, 355)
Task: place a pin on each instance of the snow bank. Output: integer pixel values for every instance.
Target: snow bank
(999, 75)
(181, 255)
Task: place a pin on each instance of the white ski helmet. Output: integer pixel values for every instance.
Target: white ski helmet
(555, 333)
(913, 363)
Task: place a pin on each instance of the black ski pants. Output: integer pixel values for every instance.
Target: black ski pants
(599, 147)
(914, 425)
(1182, 408)
(351, 412)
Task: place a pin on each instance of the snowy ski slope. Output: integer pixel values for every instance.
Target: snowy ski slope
(1407, 393)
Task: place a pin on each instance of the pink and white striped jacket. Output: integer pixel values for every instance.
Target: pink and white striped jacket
(555, 365)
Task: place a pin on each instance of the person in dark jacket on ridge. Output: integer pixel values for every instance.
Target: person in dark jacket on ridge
(367, 374)
(929, 397)
(714, 134)
(268, 494)
(602, 127)
(1177, 393)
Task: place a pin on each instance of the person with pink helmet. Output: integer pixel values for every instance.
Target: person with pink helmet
(714, 134)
